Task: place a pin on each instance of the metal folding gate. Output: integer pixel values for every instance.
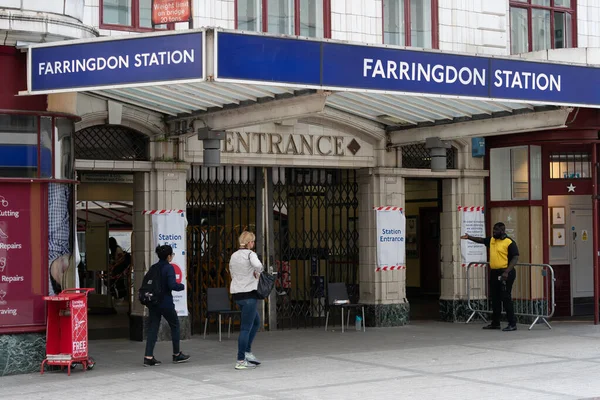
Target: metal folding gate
(311, 233)
(221, 204)
(315, 215)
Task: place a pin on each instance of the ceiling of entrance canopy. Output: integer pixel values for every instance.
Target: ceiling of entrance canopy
(387, 109)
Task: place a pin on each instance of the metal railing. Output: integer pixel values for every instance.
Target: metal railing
(532, 292)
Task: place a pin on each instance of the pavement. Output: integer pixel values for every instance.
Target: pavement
(424, 360)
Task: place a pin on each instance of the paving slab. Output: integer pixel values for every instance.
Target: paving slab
(424, 360)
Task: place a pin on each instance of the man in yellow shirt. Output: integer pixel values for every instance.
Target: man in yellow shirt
(504, 255)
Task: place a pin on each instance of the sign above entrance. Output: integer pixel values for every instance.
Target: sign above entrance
(289, 144)
(342, 66)
(260, 59)
(123, 62)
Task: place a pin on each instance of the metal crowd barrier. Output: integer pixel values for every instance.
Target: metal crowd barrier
(532, 292)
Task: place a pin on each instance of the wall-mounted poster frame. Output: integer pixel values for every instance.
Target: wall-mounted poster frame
(558, 215)
(558, 237)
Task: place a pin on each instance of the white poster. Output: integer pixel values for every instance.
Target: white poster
(473, 224)
(170, 228)
(391, 224)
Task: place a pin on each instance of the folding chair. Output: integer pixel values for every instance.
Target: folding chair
(217, 302)
(337, 296)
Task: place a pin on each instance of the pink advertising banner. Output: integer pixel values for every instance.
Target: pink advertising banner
(23, 270)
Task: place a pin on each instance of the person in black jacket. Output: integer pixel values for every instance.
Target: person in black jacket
(166, 309)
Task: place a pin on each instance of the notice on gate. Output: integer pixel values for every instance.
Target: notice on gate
(473, 224)
(170, 228)
(391, 237)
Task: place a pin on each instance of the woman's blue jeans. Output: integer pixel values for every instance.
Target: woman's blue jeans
(249, 326)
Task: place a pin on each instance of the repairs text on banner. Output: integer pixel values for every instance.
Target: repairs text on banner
(391, 224)
(170, 229)
(473, 224)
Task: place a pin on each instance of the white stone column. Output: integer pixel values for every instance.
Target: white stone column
(141, 239)
(163, 188)
(384, 292)
(456, 192)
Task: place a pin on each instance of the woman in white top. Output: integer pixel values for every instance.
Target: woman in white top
(245, 268)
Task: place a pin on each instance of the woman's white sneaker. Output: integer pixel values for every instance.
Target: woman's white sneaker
(244, 365)
(251, 358)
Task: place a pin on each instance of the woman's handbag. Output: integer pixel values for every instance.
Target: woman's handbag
(266, 282)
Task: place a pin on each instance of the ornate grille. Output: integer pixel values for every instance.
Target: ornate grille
(316, 240)
(313, 226)
(417, 156)
(111, 142)
(221, 204)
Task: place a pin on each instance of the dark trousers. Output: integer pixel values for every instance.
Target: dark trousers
(249, 326)
(155, 315)
(500, 293)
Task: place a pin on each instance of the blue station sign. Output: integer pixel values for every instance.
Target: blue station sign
(342, 66)
(115, 63)
(260, 59)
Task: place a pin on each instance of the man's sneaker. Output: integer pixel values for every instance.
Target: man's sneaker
(151, 362)
(510, 328)
(251, 358)
(180, 358)
(244, 365)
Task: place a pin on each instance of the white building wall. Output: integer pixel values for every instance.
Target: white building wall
(471, 26)
(588, 23)
(48, 20)
(357, 20)
(219, 13)
(91, 13)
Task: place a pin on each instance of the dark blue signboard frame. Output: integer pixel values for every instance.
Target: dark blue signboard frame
(318, 64)
(307, 63)
(124, 62)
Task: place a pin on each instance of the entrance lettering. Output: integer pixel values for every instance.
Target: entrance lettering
(284, 144)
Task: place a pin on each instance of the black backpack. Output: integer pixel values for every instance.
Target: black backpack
(150, 293)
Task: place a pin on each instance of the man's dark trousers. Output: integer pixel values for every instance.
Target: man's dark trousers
(502, 295)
